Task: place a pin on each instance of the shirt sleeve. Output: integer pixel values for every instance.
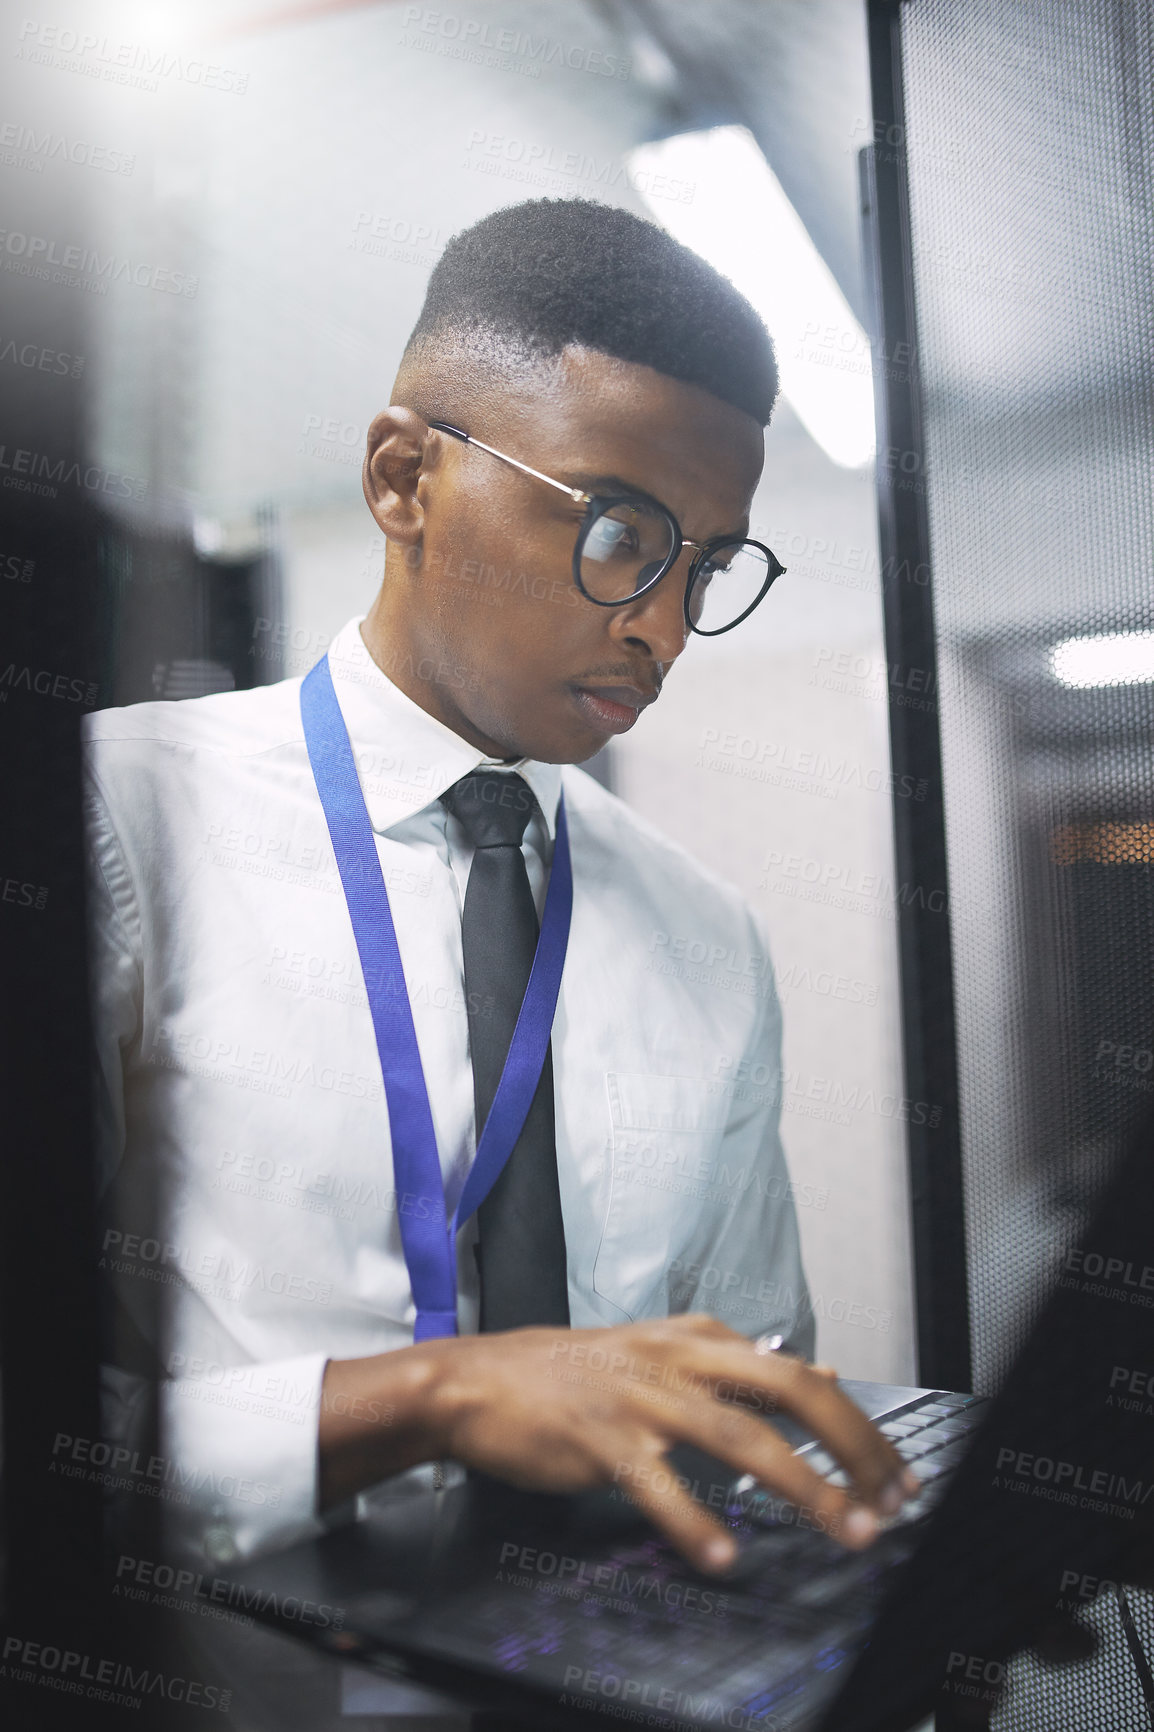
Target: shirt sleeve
(745, 1267)
(236, 1467)
(240, 1468)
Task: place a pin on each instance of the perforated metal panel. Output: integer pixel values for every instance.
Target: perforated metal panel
(1100, 1694)
(1030, 142)
(1030, 149)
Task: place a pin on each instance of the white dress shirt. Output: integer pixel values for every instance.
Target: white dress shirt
(249, 1182)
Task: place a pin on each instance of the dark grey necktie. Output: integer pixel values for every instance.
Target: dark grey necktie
(521, 1249)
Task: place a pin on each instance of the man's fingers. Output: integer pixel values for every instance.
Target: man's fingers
(750, 1446)
(779, 1382)
(653, 1485)
(873, 1464)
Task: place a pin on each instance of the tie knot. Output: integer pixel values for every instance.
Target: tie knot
(493, 806)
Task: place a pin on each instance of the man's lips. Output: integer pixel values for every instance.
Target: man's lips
(614, 707)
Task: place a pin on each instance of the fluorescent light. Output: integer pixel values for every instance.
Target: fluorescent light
(715, 192)
(1118, 658)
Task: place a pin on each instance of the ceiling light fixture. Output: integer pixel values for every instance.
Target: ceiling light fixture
(1117, 658)
(730, 208)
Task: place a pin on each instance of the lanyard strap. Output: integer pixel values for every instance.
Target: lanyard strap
(428, 1239)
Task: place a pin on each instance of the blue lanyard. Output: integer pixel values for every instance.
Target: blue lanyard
(427, 1237)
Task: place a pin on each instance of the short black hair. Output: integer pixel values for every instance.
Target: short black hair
(556, 271)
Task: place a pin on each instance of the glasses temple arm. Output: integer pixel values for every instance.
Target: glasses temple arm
(578, 496)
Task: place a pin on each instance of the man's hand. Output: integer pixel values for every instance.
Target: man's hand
(566, 1410)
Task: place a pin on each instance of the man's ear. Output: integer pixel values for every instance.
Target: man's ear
(395, 457)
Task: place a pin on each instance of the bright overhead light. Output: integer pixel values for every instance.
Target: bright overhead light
(715, 192)
(1117, 658)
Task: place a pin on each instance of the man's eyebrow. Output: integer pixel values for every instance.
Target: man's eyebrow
(614, 484)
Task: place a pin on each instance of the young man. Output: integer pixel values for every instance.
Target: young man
(564, 479)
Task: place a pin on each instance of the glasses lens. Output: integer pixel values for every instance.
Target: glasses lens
(727, 584)
(624, 550)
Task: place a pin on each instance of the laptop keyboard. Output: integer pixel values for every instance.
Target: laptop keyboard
(767, 1645)
(770, 1640)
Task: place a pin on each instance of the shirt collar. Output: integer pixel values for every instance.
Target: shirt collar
(405, 757)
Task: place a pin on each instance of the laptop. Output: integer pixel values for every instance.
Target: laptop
(563, 1611)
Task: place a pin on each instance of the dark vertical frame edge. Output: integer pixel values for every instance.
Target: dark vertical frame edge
(50, 1296)
(929, 1033)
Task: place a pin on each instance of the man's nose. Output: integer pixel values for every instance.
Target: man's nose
(655, 622)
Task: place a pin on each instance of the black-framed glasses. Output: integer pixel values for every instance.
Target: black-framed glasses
(626, 543)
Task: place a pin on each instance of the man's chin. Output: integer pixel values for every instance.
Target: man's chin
(570, 748)
(569, 728)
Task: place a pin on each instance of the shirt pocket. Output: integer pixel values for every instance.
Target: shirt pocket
(666, 1138)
